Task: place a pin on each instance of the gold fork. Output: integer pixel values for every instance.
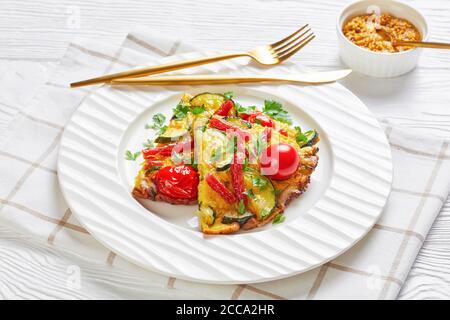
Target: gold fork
(271, 54)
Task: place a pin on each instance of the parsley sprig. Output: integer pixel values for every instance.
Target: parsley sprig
(158, 123)
(131, 156)
(275, 110)
(259, 182)
(198, 110)
(241, 207)
(279, 218)
(228, 95)
(180, 111)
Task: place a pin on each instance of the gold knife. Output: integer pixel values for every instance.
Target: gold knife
(303, 78)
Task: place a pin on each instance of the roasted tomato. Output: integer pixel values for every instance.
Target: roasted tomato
(177, 182)
(279, 161)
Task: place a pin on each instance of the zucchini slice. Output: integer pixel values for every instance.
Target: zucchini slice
(261, 198)
(234, 217)
(210, 101)
(206, 215)
(239, 122)
(312, 136)
(216, 151)
(176, 129)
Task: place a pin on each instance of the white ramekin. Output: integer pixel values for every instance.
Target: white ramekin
(380, 64)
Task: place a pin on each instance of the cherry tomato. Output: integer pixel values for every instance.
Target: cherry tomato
(177, 182)
(279, 161)
(261, 119)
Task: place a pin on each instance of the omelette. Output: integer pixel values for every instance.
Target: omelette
(242, 165)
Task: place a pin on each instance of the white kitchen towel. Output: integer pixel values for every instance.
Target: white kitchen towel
(46, 253)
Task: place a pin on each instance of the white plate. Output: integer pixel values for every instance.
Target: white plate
(345, 198)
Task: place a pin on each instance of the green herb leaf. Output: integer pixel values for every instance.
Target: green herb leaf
(184, 157)
(265, 212)
(162, 130)
(245, 165)
(180, 111)
(279, 218)
(241, 207)
(250, 193)
(216, 154)
(149, 144)
(131, 156)
(158, 122)
(242, 109)
(259, 182)
(151, 169)
(300, 137)
(198, 110)
(275, 110)
(229, 95)
(260, 144)
(159, 119)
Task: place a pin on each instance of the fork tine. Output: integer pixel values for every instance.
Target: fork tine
(293, 41)
(288, 37)
(296, 48)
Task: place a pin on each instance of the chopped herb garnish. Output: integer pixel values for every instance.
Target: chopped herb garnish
(300, 137)
(162, 130)
(259, 182)
(184, 157)
(265, 212)
(245, 165)
(158, 122)
(180, 111)
(241, 207)
(229, 95)
(242, 109)
(279, 218)
(275, 110)
(131, 156)
(216, 154)
(198, 110)
(260, 144)
(149, 144)
(151, 169)
(250, 193)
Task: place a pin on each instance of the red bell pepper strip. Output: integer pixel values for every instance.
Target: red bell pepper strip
(153, 163)
(220, 188)
(166, 150)
(266, 135)
(261, 119)
(283, 132)
(251, 114)
(237, 176)
(225, 108)
(224, 126)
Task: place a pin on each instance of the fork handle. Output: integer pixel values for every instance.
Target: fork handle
(435, 45)
(158, 69)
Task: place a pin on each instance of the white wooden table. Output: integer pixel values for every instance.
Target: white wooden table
(38, 31)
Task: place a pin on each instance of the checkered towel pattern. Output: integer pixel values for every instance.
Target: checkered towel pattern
(46, 253)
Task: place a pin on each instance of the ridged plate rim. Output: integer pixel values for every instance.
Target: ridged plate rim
(322, 230)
